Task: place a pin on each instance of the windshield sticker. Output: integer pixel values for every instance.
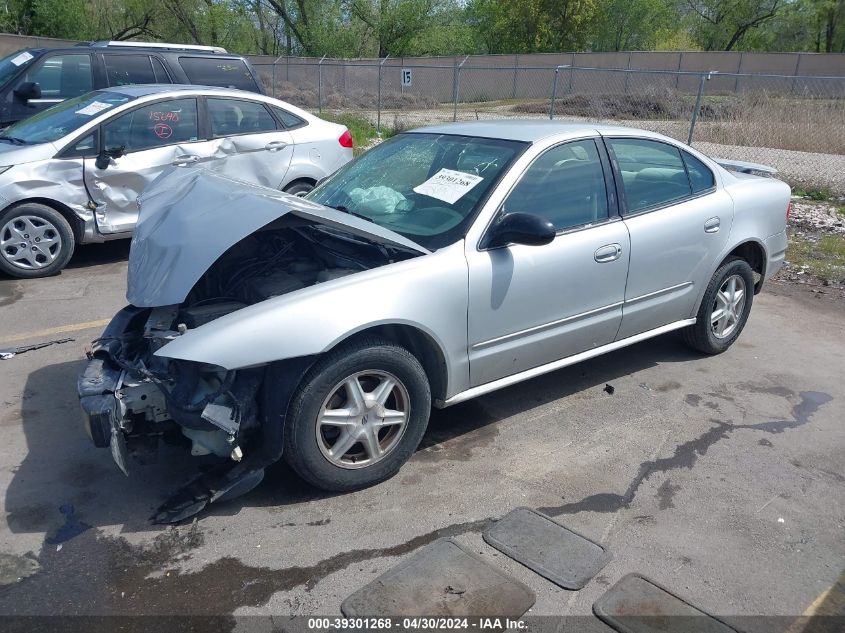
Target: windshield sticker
(22, 58)
(93, 108)
(448, 185)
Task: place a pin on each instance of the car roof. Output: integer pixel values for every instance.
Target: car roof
(527, 130)
(144, 90)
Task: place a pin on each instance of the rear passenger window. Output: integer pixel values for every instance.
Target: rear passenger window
(235, 116)
(122, 70)
(700, 176)
(565, 185)
(653, 173)
(227, 73)
(289, 120)
(155, 125)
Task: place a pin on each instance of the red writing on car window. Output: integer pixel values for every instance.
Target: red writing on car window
(162, 130)
(164, 116)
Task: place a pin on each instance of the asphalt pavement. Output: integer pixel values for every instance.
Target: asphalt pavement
(721, 478)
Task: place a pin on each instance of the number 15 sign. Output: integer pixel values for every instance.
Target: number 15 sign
(406, 78)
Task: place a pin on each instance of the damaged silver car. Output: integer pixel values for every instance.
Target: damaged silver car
(73, 173)
(441, 265)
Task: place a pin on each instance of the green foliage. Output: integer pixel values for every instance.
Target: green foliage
(368, 28)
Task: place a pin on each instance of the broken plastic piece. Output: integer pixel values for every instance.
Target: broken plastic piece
(609, 389)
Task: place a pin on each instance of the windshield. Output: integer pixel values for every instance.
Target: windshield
(426, 187)
(11, 64)
(63, 118)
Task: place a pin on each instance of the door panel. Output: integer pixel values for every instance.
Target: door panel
(531, 305)
(680, 224)
(246, 144)
(673, 251)
(154, 137)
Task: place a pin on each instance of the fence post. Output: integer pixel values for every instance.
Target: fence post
(704, 77)
(320, 85)
(515, 68)
(275, 61)
(456, 87)
(554, 91)
(378, 109)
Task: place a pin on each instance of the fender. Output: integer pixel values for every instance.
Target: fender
(427, 292)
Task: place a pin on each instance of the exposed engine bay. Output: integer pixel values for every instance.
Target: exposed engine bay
(212, 410)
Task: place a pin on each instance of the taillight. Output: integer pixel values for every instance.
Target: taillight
(346, 140)
(788, 210)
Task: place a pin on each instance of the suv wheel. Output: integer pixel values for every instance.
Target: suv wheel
(724, 309)
(358, 415)
(35, 241)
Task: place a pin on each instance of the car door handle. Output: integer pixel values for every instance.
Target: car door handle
(184, 161)
(608, 253)
(712, 225)
(275, 146)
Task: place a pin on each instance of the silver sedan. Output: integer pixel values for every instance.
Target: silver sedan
(441, 265)
(72, 174)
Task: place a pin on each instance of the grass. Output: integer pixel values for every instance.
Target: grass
(824, 259)
(362, 130)
(818, 194)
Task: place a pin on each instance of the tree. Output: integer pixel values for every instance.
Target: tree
(722, 24)
(625, 25)
(393, 24)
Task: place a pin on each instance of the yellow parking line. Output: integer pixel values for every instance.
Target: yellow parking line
(62, 329)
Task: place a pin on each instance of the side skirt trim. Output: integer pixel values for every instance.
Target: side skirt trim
(507, 381)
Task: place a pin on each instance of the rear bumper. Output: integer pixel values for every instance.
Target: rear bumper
(775, 253)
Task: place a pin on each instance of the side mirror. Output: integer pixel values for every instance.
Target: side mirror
(521, 228)
(28, 90)
(105, 157)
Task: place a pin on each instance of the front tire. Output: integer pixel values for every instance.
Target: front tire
(299, 188)
(724, 309)
(35, 241)
(358, 415)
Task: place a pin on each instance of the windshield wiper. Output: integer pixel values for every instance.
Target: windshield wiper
(351, 212)
(14, 140)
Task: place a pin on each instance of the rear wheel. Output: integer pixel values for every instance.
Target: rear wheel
(35, 241)
(724, 309)
(358, 415)
(299, 188)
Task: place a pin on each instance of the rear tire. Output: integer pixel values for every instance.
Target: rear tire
(358, 415)
(724, 309)
(35, 241)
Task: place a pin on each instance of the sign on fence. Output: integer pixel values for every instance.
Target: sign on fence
(406, 77)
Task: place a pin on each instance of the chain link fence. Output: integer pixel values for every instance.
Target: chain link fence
(794, 123)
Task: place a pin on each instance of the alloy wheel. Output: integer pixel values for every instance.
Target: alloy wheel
(363, 419)
(728, 307)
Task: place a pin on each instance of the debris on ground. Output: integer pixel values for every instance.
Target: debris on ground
(11, 352)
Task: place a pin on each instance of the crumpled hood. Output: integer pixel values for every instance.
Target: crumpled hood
(190, 217)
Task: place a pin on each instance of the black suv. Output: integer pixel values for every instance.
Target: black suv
(34, 79)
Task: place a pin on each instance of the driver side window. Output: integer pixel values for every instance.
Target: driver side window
(565, 185)
(154, 125)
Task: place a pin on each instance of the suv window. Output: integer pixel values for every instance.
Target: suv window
(210, 71)
(565, 185)
(154, 125)
(62, 76)
(653, 173)
(161, 74)
(237, 116)
(289, 120)
(122, 70)
(700, 176)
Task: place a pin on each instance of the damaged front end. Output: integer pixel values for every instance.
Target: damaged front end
(265, 245)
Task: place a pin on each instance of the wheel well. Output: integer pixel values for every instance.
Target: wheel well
(310, 181)
(753, 253)
(422, 346)
(76, 223)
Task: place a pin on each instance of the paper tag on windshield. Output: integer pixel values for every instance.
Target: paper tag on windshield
(22, 58)
(448, 185)
(94, 108)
